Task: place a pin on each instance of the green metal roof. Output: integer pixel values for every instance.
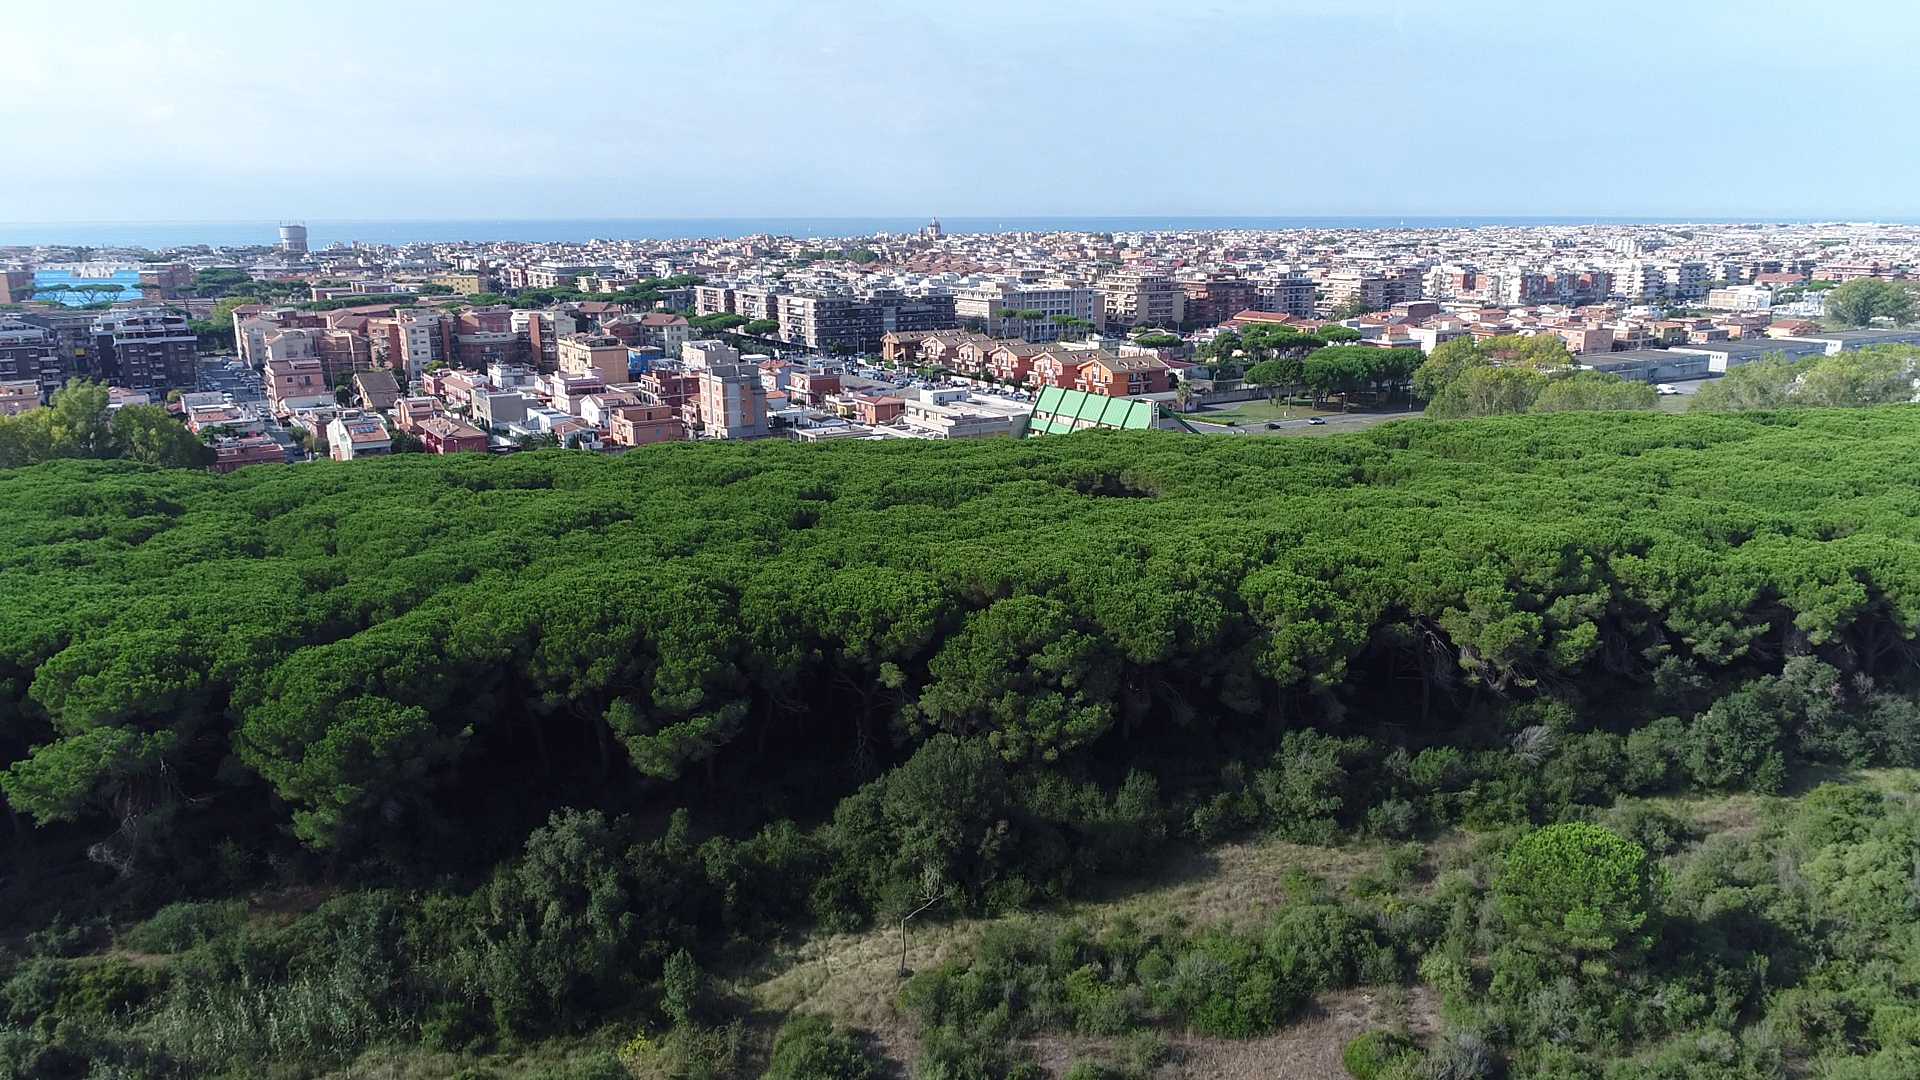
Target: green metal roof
(1058, 411)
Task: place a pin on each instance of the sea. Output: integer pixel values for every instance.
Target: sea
(160, 235)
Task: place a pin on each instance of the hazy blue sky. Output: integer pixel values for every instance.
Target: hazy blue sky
(222, 110)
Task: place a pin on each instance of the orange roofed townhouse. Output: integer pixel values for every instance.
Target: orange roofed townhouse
(1122, 376)
(874, 410)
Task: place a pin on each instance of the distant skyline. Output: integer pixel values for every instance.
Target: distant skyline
(195, 111)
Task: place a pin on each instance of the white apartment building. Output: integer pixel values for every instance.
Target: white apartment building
(1740, 298)
(1138, 296)
(991, 303)
(1640, 282)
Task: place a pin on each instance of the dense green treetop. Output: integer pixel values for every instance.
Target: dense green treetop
(1582, 889)
(1862, 301)
(351, 632)
(1875, 375)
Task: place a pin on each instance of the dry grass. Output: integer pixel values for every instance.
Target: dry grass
(553, 1058)
(854, 978)
(1307, 1049)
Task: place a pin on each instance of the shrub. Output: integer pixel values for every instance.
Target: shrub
(810, 1048)
(1459, 1057)
(680, 988)
(180, 926)
(687, 1052)
(1378, 1055)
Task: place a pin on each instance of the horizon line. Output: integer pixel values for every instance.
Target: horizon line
(1679, 218)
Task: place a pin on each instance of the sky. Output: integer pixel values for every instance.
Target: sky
(215, 110)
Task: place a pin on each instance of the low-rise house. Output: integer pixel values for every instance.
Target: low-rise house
(18, 396)
(1122, 376)
(498, 408)
(644, 424)
(874, 410)
(1012, 361)
(296, 384)
(408, 412)
(446, 435)
(596, 409)
(376, 390)
(244, 450)
(357, 435)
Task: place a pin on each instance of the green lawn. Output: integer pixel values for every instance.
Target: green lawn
(1243, 413)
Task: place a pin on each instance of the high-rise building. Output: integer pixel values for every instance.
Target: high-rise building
(1136, 297)
(293, 240)
(1217, 298)
(27, 354)
(1000, 309)
(1345, 287)
(1285, 292)
(838, 322)
(71, 334)
(145, 349)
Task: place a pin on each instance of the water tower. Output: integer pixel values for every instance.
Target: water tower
(293, 239)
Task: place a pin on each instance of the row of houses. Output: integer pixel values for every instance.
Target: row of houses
(1062, 364)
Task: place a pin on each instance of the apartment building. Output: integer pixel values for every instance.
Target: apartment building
(995, 307)
(467, 284)
(71, 334)
(844, 323)
(1217, 298)
(757, 302)
(1689, 281)
(1285, 292)
(296, 383)
(1740, 298)
(1134, 297)
(1345, 288)
(27, 353)
(712, 300)
(669, 387)
(733, 401)
(168, 282)
(498, 408)
(1640, 283)
(145, 349)
(661, 330)
(594, 354)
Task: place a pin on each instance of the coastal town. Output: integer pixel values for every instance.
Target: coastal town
(284, 352)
